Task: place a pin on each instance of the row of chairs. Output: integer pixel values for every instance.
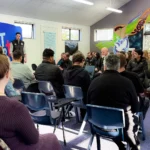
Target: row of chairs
(95, 114)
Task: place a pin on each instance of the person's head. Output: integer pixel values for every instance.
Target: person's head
(62, 55)
(66, 56)
(129, 55)
(17, 56)
(89, 55)
(138, 54)
(1, 50)
(48, 55)
(4, 72)
(145, 54)
(78, 59)
(112, 62)
(97, 55)
(104, 51)
(123, 61)
(122, 52)
(18, 36)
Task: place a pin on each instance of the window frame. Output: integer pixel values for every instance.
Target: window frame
(32, 30)
(95, 35)
(70, 34)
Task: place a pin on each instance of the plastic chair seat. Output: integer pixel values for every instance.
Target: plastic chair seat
(41, 117)
(105, 133)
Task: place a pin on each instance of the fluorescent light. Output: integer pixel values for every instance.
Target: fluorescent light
(84, 2)
(114, 10)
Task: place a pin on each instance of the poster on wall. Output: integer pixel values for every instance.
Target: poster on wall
(7, 34)
(50, 40)
(71, 47)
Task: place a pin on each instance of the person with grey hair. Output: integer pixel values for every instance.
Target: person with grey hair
(113, 90)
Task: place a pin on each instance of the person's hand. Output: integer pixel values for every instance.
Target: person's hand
(100, 71)
(96, 69)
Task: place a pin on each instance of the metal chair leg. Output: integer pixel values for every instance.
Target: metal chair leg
(77, 115)
(83, 125)
(55, 126)
(98, 142)
(90, 143)
(63, 133)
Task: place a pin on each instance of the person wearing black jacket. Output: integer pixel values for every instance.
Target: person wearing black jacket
(47, 71)
(113, 90)
(77, 75)
(138, 65)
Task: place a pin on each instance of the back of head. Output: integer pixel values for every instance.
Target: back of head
(4, 66)
(47, 53)
(17, 54)
(112, 62)
(123, 61)
(78, 57)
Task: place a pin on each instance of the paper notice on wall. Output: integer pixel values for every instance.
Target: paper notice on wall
(50, 40)
(146, 42)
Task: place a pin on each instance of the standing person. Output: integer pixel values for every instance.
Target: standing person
(138, 65)
(17, 129)
(98, 63)
(18, 44)
(113, 90)
(61, 59)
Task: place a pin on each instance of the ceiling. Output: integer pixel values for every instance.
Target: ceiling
(67, 11)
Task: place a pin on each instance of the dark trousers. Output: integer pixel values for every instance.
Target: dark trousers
(130, 131)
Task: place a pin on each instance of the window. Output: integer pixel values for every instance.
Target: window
(27, 30)
(104, 34)
(70, 34)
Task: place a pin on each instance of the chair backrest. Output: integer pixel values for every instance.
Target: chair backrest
(47, 88)
(34, 66)
(35, 101)
(18, 84)
(73, 92)
(106, 117)
(90, 70)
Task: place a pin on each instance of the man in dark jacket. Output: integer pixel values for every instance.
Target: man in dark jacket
(78, 76)
(138, 65)
(47, 71)
(66, 62)
(18, 44)
(144, 101)
(113, 90)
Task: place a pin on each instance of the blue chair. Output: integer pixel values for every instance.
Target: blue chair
(90, 70)
(105, 122)
(40, 110)
(75, 92)
(18, 84)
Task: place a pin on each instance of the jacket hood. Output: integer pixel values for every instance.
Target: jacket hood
(71, 72)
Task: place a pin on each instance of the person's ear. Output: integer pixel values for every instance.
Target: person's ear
(7, 74)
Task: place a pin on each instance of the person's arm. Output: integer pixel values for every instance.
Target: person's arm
(59, 76)
(28, 73)
(24, 125)
(25, 53)
(11, 50)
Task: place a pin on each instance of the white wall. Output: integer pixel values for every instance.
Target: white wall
(35, 46)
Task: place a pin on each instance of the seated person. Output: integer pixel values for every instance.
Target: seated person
(138, 65)
(21, 71)
(77, 75)
(66, 62)
(17, 128)
(47, 71)
(113, 90)
(144, 102)
(61, 60)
